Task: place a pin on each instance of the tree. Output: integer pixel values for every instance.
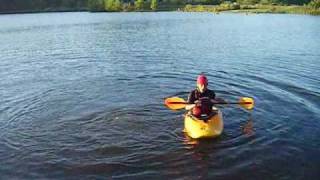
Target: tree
(117, 5)
(96, 5)
(154, 5)
(315, 4)
(108, 5)
(247, 2)
(138, 4)
(113, 5)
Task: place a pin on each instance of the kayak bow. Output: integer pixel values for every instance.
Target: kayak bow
(198, 128)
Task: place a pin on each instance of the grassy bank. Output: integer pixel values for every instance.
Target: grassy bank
(279, 9)
(237, 6)
(258, 8)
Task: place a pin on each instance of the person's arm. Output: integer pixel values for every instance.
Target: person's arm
(191, 99)
(189, 106)
(216, 100)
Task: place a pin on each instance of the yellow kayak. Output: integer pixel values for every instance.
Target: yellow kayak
(197, 128)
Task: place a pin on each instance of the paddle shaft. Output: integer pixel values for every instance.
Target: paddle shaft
(176, 103)
(213, 103)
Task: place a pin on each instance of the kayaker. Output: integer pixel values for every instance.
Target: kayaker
(202, 99)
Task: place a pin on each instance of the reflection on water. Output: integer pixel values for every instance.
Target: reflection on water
(189, 142)
(200, 154)
(247, 128)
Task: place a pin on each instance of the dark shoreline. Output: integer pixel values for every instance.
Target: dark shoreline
(45, 11)
(85, 9)
(267, 9)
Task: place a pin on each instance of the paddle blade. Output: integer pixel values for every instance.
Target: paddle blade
(246, 102)
(175, 103)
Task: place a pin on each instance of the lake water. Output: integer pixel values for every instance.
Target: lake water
(81, 95)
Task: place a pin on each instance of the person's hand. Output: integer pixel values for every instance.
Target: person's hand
(220, 100)
(205, 101)
(214, 101)
(197, 103)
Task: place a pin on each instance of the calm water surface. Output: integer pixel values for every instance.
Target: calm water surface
(81, 95)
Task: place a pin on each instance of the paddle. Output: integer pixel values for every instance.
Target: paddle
(176, 103)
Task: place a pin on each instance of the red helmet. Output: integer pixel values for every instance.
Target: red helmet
(202, 79)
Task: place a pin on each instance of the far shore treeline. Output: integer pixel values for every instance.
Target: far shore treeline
(253, 6)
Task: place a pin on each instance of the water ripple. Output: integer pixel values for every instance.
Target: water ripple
(82, 95)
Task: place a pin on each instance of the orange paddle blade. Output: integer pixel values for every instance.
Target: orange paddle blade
(175, 103)
(246, 102)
